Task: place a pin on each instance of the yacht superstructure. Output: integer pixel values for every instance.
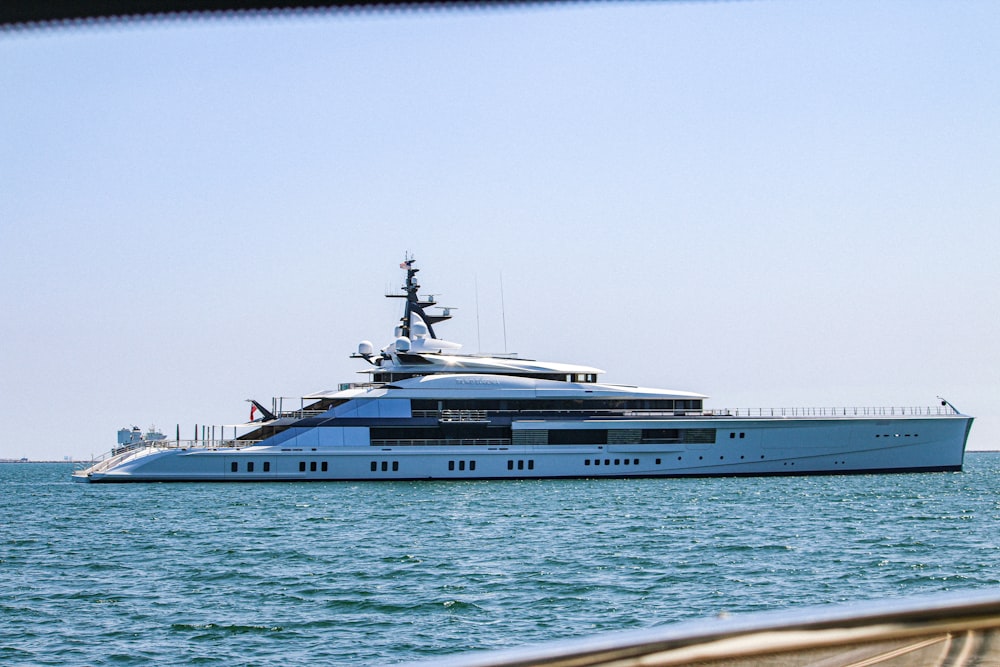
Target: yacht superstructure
(431, 412)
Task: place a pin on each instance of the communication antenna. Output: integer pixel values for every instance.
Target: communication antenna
(479, 339)
(503, 314)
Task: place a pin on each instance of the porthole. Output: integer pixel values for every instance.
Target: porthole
(267, 466)
(249, 466)
(234, 467)
(325, 466)
(312, 466)
(302, 466)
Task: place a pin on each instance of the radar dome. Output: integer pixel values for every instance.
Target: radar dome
(402, 344)
(365, 348)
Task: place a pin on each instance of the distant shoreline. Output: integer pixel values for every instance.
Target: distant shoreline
(33, 461)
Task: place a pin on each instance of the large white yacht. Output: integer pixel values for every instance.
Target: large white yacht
(430, 412)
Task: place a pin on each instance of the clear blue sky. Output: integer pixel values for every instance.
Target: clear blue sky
(772, 203)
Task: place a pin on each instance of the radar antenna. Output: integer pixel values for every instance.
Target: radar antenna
(414, 304)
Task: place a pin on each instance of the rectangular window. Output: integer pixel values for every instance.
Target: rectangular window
(302, 466)
(461, 465)
(249, 466)
(374, 466)
(660, 435)
(510, 465)
(472, 465)
(324, 466)
(385, 466)
(586, 462)
(451, 465)
(312, 466)
(701, 436)
(395, 466)
(267, 466)
(578, 436)
(234, 467)
(531, 464)
(520, 465)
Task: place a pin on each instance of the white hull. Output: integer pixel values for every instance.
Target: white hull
(796, 446)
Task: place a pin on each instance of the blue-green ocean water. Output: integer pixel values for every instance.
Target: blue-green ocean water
(376, 573)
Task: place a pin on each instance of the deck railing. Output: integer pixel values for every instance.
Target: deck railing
(142, 448)
(857, 411)
(440, 442)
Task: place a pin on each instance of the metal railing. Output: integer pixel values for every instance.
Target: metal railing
(299, 414)
(462, 415)
(441, 442)
(858, 411)
(135, 450)
(828, 412)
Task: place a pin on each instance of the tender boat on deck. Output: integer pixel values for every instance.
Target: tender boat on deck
(430, 412)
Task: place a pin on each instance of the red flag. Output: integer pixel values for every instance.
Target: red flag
(253, 411)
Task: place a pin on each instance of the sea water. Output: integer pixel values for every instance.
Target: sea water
(382, 572)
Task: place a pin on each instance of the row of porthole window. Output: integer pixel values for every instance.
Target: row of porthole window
(461, 465)
(608, 462)
(733, 435)
(520, 464)
(234, 466)
(385, 466)
(618, 462)
(324, 466)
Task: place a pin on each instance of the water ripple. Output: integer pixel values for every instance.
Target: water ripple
(371, 574)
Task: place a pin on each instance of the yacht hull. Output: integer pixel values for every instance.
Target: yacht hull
(739, 447)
